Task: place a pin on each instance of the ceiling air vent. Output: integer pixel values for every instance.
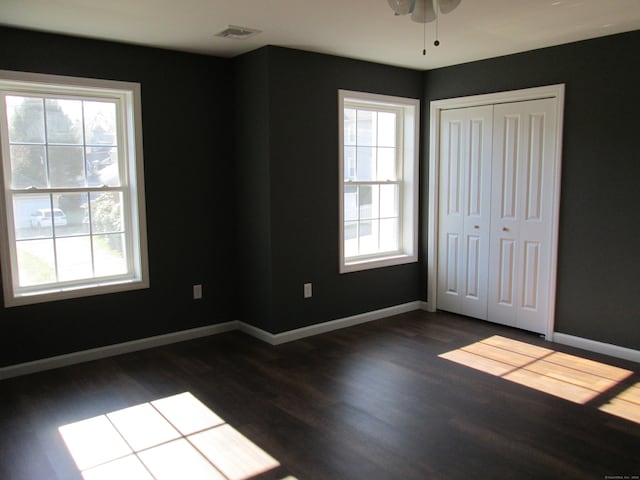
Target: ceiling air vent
(238, 33)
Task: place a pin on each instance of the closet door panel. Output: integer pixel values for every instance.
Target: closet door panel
(473, 268)
(451, 226)
(530, 275)
(464, 213)
(504, 288)
(505, 177)
(522, 199)
(537, 191)
(477, 213)
(505, 271)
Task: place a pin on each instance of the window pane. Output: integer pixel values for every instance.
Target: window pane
(367, 127)
(349, 126)
(102, 167)
(32, 216)
(350, 239)
(386, 164)
(74, 206)
(66, 167)
(364, 202)
(386, 129)
(388, 201)
(64, 121)
(74, 258)
(109, 254)
(366, 163)
(106, 213)
(389, 235)
(350, 203)
(35, 262)
(368, 237)
(349, 163)
(28, 166)
(100, 123)
(26, 119)
(368, 201)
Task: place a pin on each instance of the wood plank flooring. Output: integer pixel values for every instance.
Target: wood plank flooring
(370, 402)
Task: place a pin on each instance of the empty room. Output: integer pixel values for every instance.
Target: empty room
(298, 240)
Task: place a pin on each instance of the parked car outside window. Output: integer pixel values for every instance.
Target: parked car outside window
(41, 218)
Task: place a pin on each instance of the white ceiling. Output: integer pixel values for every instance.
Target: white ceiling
(363, 29)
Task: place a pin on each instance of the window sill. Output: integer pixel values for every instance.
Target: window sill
(377, 262)
(79, 291)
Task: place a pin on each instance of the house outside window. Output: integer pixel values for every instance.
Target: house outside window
(378, 180)
(72, 206)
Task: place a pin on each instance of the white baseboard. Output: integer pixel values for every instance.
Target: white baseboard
(159, 340)
(298, 333)
(112, 350)
(273, 339)
(256, 332)
(599, 347)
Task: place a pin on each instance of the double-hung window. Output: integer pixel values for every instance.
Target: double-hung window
(378, 180)
(72, 206)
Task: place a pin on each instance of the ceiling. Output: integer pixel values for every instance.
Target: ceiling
(362, 29)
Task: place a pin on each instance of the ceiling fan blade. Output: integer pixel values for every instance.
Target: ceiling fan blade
(401, 7)
(447, 6)
(423, 12)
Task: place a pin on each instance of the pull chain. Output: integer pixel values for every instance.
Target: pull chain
(424, 38)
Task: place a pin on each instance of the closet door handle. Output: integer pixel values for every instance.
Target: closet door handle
(505, 229)
(476, 226)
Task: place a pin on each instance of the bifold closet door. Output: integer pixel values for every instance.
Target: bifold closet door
(464, 210)
(523, 167)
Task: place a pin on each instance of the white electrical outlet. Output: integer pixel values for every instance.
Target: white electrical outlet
(308, 291)
(197, 292)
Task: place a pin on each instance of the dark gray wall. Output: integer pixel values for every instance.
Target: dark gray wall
(598, 295)
(253, 188)
(302, 121)
(189, 183)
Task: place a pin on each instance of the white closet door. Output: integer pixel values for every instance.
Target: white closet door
(521, 212)
(464, 210)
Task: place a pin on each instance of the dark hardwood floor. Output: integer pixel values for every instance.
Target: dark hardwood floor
(369, 402)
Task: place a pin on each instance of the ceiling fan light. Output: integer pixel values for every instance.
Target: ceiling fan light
(447, 6)
(423, 11)
(401, 7)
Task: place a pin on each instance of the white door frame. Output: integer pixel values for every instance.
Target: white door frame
(551, 91)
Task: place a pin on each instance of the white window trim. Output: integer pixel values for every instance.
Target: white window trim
(129, 94)
(410, 109)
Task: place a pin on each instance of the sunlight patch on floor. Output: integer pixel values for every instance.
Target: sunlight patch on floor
(625, 405)
(176, 437)
(566, 376)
